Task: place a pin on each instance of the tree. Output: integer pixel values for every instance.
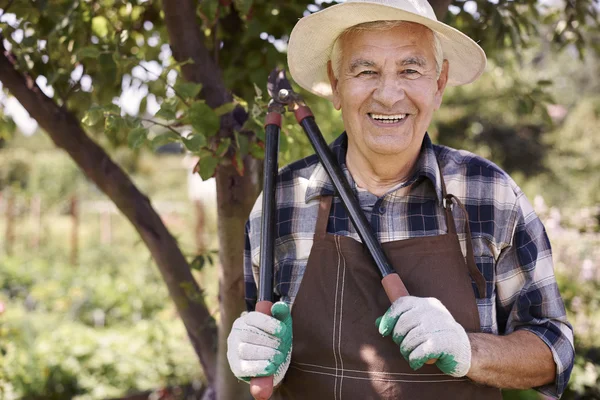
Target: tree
(65, 62)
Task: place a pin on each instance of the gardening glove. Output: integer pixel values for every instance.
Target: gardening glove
(424, 329)
(260, 345)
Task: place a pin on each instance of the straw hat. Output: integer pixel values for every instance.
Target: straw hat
(313, 37)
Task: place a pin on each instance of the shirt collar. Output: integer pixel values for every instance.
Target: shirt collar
(427, 167)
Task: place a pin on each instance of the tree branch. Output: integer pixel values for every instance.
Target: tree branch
(187, 41)
(66, 132)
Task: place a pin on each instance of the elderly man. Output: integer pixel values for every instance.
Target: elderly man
(475, 258)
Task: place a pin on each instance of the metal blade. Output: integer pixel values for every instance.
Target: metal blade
(277, 81)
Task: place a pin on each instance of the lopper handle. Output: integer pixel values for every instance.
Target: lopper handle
(262, 388)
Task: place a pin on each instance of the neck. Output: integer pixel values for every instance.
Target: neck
(380, 173)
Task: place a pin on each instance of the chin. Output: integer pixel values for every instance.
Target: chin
(389, 145)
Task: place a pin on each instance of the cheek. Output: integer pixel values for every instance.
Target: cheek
(422, 95)
(354, 95)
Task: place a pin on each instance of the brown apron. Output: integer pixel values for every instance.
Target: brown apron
(337, 350)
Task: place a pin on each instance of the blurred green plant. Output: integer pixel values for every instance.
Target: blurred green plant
(92, 332)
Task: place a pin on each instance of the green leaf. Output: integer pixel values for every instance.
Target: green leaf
(88, 52)
(243, 144)
(93, 116)
(195, 143)
(113, 124)
(257, 90)
(100, 26)
(256, 111)
(257, 151)
(143, 106)
(167, 110)
(243, 6)
(187, 90)
(209, 9)
(545, 82)
(207, 166)
(223, 147)
(203, 119)
(29, 42)
(225, 108)
(137, 137)
(165, 138)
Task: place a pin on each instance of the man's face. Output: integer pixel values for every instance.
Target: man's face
(387, 89)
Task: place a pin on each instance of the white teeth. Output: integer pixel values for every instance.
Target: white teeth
(388, 118)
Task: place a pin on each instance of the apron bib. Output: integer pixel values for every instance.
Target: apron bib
(338, 352)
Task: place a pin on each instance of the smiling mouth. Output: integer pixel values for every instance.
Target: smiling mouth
(387, 119)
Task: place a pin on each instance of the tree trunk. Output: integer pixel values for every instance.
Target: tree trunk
(235, 194)
(235, 197)
(66, 132)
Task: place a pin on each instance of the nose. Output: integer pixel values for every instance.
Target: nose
(389, 90)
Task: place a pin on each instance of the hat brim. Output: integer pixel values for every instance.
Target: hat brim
(312, 39)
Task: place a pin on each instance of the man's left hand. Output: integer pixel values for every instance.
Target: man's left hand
(424, 329)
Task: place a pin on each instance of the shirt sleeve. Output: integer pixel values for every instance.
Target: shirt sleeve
(528, 296)
(249, 281)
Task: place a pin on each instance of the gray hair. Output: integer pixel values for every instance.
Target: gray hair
(336, 52)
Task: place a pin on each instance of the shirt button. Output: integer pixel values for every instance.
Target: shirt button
(381, 210)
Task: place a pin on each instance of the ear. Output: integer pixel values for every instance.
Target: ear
(441, 84)
(334, 86)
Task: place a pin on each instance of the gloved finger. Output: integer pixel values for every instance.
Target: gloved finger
(281, 311)
(407, 323)
(265, 323)
(423, 353)
(378, 321)
(390, 318)
(252, 352)
(255, 336)
(408, 341)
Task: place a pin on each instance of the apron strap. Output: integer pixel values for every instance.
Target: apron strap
(447, 205)
(473, 270)
(323, 216)
(475, 273)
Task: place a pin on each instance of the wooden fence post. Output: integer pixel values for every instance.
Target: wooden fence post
(74, 212)
(36, 221)
(10, 223)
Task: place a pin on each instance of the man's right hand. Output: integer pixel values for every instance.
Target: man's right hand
(260, 345)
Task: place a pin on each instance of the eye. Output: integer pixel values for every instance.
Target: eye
(367, 72)
(411, 73)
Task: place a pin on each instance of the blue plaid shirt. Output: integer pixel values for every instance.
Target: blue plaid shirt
(510, 243)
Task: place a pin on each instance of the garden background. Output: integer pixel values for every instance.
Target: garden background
(123, 198)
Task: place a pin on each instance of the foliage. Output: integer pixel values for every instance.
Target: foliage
(575, 160)
(91, 332)
(45, 357)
